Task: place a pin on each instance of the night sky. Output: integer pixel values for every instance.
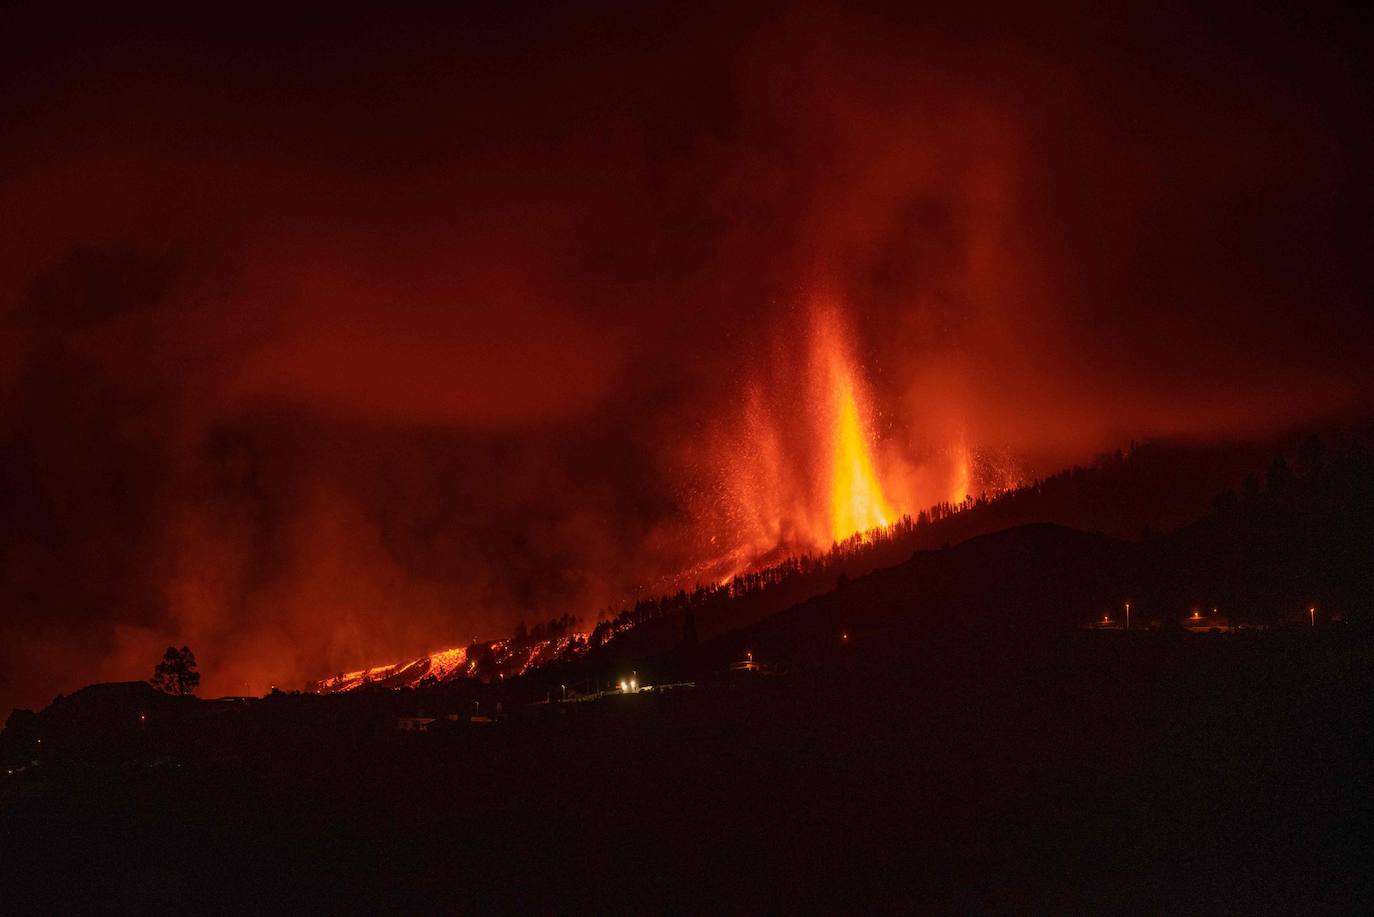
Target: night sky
(330, 341)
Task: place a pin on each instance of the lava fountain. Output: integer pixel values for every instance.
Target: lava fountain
(800, 471)
(963, 473)
(856, 500)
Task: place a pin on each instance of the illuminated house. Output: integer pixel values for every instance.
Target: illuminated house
(1201, 623)
(747, 664)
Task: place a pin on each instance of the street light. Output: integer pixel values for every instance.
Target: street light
(1312, 614)
(1128, 615)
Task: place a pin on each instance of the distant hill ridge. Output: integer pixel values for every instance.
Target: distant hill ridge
(1129, 494)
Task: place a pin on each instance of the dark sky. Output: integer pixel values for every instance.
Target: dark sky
(328, 341)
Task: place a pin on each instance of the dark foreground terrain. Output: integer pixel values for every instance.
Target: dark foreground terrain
(1087, 771)
(938, 736)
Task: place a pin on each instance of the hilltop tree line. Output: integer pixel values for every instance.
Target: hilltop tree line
(1117, 487)
(1130, 479)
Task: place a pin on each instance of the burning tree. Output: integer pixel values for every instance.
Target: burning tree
(176, 673)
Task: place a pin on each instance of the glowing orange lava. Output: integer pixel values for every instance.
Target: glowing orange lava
(800, 471)
(856, 499)
(963, 474)
(800, 466)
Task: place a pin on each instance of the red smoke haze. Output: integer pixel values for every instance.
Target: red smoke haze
(325, 343)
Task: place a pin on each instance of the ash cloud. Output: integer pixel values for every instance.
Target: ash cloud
(324, 343)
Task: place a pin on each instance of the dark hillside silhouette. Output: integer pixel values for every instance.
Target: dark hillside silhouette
(1302, 542)
(948, 717)
(1152, 487)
